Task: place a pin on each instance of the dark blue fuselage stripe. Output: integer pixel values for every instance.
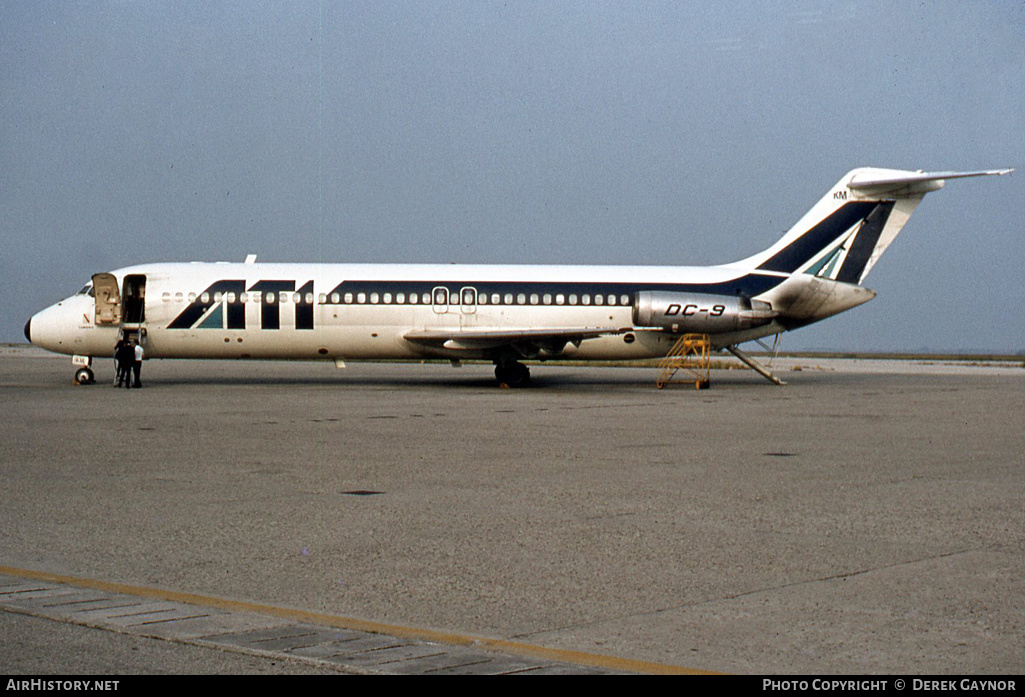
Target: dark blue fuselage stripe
(749, 285)
(804, 248)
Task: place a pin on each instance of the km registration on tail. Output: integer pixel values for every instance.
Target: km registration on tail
(499, 313)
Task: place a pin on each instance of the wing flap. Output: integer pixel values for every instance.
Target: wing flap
(485, 338)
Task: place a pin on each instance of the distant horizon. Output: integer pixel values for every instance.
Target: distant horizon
(869, 353)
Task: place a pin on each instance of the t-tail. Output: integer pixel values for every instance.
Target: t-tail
(825, 258)
(842, 237)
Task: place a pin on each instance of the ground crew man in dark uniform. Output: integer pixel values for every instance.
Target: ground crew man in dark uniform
(117, 361)
(125, 358)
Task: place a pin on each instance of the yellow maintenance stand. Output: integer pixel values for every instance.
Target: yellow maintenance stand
(691, 354)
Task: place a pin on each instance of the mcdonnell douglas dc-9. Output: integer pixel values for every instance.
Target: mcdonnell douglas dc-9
(499, 313)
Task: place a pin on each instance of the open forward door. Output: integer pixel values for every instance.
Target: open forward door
(108, 299)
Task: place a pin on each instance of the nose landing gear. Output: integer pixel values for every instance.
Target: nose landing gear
(84, 376)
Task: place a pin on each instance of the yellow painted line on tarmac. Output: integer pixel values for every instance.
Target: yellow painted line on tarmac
(512, 647)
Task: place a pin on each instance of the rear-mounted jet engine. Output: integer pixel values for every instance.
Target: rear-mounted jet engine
(699, 314)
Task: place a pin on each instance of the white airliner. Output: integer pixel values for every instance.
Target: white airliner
(501, 313)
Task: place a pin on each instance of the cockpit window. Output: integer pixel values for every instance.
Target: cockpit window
(87, 289)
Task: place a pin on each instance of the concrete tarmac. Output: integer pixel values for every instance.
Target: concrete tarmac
(865, 518)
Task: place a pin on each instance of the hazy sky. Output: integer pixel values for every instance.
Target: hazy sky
(514, 132)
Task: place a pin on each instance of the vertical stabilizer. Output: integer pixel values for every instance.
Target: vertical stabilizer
(842, 237)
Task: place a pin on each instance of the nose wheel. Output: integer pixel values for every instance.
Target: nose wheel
(84, 376)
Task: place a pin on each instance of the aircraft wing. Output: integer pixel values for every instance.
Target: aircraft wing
(484, 338)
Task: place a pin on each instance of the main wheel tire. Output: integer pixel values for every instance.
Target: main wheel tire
(521, 374)
(513, 374)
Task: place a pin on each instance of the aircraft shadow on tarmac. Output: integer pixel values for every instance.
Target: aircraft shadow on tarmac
(563, 378)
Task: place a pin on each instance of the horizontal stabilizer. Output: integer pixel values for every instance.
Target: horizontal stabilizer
(878, 181)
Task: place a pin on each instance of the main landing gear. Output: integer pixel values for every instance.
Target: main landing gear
(512, 373)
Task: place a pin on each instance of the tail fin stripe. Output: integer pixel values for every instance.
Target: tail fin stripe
(864, 243)
(805, 247)
(824, 266)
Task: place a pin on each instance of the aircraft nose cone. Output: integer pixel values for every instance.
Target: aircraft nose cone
(28, 330)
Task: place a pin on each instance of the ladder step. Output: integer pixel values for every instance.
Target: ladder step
(692, 354)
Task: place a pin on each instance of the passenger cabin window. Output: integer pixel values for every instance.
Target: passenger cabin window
(438, 296)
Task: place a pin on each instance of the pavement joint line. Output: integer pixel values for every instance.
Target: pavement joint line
(143, 613)
(458, 665)
(23, 590)
(107, 607)
(499, 646)
(74, 602)
(171, 619)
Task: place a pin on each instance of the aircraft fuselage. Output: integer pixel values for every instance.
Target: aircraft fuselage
(502, 313)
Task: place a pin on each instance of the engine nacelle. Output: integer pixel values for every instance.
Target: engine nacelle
(683, 313)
